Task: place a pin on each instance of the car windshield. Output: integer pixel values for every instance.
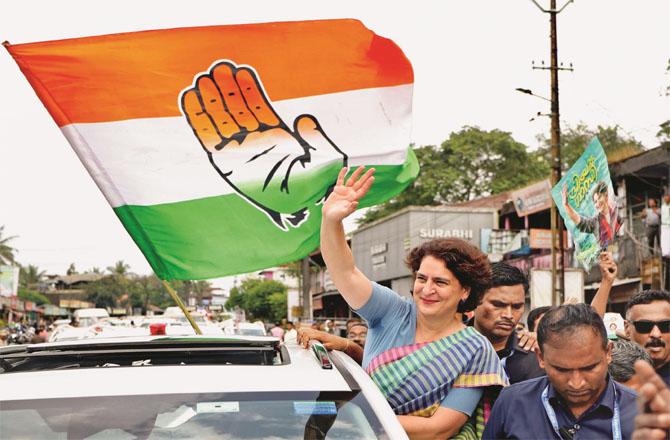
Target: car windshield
(254, 415)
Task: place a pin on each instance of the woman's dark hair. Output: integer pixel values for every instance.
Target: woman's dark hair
(468, 264)
(568, 318)
(533, 315)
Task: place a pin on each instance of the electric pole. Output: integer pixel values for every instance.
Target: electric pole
(557, 266)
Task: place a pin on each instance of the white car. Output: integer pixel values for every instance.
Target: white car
(198, 387)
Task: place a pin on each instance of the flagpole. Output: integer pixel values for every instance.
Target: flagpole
(181, 305)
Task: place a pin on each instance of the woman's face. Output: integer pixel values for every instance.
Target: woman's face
(436, 290)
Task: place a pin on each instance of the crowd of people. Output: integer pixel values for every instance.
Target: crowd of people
(452, 363)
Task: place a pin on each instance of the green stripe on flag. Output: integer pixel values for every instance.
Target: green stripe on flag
(226, 235)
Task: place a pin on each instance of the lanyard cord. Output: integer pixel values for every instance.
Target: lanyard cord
(616, 418)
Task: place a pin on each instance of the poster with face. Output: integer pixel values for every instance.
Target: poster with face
(585, 198)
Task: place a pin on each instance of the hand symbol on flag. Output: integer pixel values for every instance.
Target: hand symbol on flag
(277, 168)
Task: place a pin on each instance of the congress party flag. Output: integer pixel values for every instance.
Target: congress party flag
(585, 198)
(216, 146)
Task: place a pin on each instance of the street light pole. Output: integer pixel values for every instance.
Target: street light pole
(557, 266)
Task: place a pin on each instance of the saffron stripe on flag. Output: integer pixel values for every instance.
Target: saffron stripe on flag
(141, 74)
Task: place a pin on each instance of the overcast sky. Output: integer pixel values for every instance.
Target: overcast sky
(468, 57)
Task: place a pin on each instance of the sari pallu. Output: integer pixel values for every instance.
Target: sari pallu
(416, 378)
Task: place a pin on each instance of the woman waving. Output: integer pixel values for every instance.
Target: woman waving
(436, 373)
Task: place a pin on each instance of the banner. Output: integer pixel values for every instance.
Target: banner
(9, 280)
(216, 146)
(585, 198)
(533, 198)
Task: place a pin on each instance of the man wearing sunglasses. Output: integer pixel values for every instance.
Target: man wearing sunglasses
(648, 324)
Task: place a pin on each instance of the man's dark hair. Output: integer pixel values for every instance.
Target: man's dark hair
(533, 315)
(647, 297)
(568, 318)
(624, 355)
(504, 274)
(600, 188)
(468, 264)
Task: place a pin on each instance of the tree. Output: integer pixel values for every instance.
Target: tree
(470, 163)
(32, 296)
(146, 290)
(6, 251)
(120, 268)
(71, 270)
(106, 291)
(664, 133)
(260, 299)
(574, 141)
(30, 276)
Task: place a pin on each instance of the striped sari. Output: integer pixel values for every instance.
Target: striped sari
(416, 378)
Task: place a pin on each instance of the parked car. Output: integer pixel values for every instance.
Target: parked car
(87, 317)
(188, 387)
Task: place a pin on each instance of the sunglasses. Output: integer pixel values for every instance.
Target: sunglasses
(644, 326)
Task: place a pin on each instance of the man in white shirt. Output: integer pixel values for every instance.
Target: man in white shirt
(665, 225)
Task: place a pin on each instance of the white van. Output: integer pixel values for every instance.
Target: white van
(87, 317)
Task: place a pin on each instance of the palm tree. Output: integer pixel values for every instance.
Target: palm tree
(31, 276)
(120, 268)
(6, 251)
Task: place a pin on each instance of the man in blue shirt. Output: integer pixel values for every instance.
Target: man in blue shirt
(577, 399)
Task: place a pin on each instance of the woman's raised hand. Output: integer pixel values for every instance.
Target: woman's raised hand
(346, 195)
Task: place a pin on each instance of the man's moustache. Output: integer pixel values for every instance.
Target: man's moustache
(655, 343)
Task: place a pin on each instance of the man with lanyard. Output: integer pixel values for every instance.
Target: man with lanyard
(648, 324)
(496, 317)
(577, 399)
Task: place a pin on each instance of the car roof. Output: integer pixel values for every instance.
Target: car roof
(302, 372)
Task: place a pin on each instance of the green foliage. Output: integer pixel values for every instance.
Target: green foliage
(6, 251)
(33, 296)
(574, 141)
(72, 270)
(119, 268)
(106, 291)
(30, 276)
(260, 299)
(663, 134)
(470, 163)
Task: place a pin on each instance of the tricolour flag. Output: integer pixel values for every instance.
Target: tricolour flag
(215, 146)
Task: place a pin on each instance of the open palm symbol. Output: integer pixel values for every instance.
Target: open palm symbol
(252, 149)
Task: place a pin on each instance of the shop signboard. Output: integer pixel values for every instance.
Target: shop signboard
(9, 280)
(533, 198)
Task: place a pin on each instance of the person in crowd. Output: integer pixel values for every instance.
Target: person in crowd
(665, 226)
(622, 367)
(497, 315)
(577, 398)
(432, 368)
(352, 321)
(652, 223)
(291, 335)
(653, 420)
(358, 333)
(648, 324)
(534, 317)
(331, 342)
(277, 331)
(605, 225)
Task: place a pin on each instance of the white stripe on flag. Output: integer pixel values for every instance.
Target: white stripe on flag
(159, 160)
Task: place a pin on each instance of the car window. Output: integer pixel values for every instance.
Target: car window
(305, 415)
